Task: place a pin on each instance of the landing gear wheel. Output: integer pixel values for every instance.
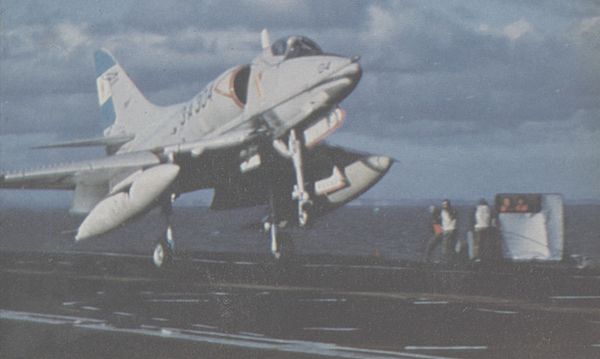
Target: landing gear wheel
(163, 251)
(163, 255)
(303, 216)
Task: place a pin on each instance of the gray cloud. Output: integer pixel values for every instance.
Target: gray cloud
(500, 78)
(164, 17)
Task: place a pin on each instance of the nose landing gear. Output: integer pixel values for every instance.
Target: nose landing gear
(293, 151)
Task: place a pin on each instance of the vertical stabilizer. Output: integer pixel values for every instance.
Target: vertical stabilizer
(122, 105)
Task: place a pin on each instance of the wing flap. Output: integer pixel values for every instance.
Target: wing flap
(223, 141)
(86, 197)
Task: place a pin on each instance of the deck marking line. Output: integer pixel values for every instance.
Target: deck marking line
(123, 314)
(431, 302)
(176, 301)
(454, 347)
(331, 329)
(88, 307)
(575, 297)
(271, 344)
(495, 311)
(204, 326)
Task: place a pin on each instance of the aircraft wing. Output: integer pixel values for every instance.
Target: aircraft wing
(334, 176)
(69, 175)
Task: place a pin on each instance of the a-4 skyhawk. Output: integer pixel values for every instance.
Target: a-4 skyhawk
(255, 135)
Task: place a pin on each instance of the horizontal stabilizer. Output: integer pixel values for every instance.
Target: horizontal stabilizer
(98, 141)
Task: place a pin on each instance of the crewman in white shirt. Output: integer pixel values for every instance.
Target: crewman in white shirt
(483, 219)
(448, 228)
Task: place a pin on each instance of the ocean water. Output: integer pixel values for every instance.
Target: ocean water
(395, 232)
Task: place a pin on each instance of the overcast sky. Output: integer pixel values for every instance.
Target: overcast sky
(471, 97)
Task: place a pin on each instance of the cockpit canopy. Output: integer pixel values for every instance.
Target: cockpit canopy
(295, 46)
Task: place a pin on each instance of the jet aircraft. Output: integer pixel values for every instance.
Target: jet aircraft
(254, 135)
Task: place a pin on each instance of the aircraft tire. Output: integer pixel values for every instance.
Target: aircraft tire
(162, 255)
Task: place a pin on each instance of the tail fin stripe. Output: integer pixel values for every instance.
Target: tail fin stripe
(108, 111)
(104, 61)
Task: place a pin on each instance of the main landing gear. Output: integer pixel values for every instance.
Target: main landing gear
(272, 228)
(292, 151)
(165, 246)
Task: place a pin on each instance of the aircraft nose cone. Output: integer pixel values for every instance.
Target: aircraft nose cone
(343, 81)
(353, 71)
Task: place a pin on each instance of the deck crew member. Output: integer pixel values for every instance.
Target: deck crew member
(506, 205)
(436, 227)
(483, 218)
(521, 205)
(448, 216)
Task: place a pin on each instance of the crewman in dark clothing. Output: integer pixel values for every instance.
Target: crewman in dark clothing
(436, 228)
